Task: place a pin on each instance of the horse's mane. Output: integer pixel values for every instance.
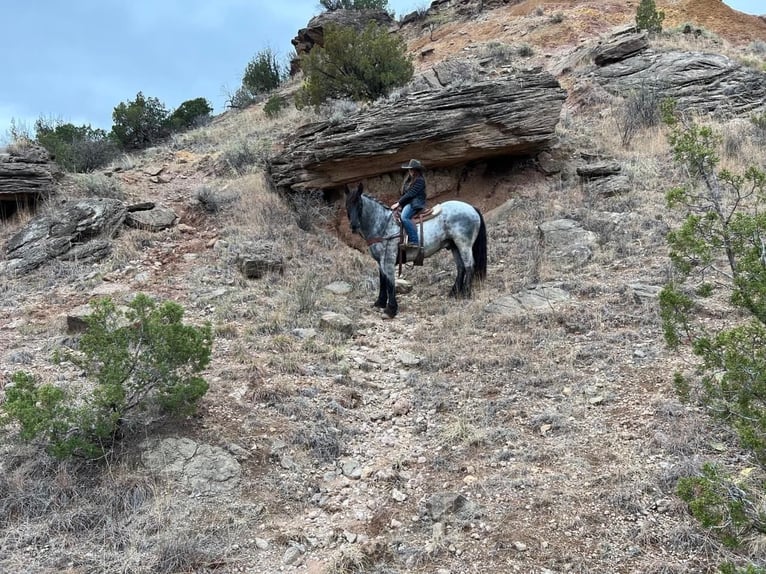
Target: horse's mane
(375, 199)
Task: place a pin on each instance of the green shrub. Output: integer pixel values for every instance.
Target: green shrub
(140, 123)
(274, 106)
(190, 113)
(729, 568)
(361, 65)
(99, 185)
(721, 505)
(525, 51)
(76, 149)
(648, 18)
(263, 73)
(241, 99)
(137, 358)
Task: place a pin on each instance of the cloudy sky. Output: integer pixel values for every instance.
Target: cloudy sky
(76, 60)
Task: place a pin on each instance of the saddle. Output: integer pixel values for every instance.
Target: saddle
(419, 219)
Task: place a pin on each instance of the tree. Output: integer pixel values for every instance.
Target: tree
(140, 123)
(718, 254)
(333, 5)
(648, 18)
(135, 359)
(190, 113)
(263, 73)
(719, 251)
(352, 64)
(75, 148)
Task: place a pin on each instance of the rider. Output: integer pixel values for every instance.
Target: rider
(413, 199)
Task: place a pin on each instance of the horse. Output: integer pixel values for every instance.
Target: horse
(459, 227)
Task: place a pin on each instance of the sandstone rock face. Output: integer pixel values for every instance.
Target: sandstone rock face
(73, 226)
(695, 80)
(513, 114)
(622, 45)
(27, 172)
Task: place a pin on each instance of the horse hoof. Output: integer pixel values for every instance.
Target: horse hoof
(389, 313)
(377, 305)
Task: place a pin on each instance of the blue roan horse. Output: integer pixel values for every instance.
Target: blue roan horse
(459, 227)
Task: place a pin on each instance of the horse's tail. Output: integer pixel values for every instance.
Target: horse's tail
(480, 250)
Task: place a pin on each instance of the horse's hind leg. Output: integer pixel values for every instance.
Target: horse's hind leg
(463, 286)
(457, 287)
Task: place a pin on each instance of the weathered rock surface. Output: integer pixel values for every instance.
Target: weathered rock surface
(699, 81)
(202, 468)
(538, 299)
(510, 115)
(331, 321)
(566, 243)
(72, 226)
(26, 172)
(621, 45)
(600, 169)
(257, 258)
(157, 218)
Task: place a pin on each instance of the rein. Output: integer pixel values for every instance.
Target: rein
(373, 240)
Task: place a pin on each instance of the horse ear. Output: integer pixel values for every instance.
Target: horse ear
(356, 192)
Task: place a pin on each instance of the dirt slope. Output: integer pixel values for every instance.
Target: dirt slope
(451, 440)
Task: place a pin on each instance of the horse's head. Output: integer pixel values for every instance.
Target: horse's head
(354, 207)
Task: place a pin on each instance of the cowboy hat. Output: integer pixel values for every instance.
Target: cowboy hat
(414, 164)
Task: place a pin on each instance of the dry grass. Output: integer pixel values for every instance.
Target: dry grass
(565, 420)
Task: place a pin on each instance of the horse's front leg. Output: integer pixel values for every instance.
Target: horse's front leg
(382, 299)
(388, 278)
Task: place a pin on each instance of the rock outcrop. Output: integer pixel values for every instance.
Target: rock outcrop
(77, 229)
(512, 114)
(27, 173)
(621, 45)
(695, 80)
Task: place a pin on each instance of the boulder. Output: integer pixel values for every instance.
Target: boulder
(620, 46)
(202, 468)
(257, 258)
(156, 218)
(566, 243)
(513, 114)
(72, 225)
(537, 299)
(600, 169)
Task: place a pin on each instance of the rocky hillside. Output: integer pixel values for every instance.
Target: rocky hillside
(532, 429)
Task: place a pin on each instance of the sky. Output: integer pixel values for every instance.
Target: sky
(75, 61)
